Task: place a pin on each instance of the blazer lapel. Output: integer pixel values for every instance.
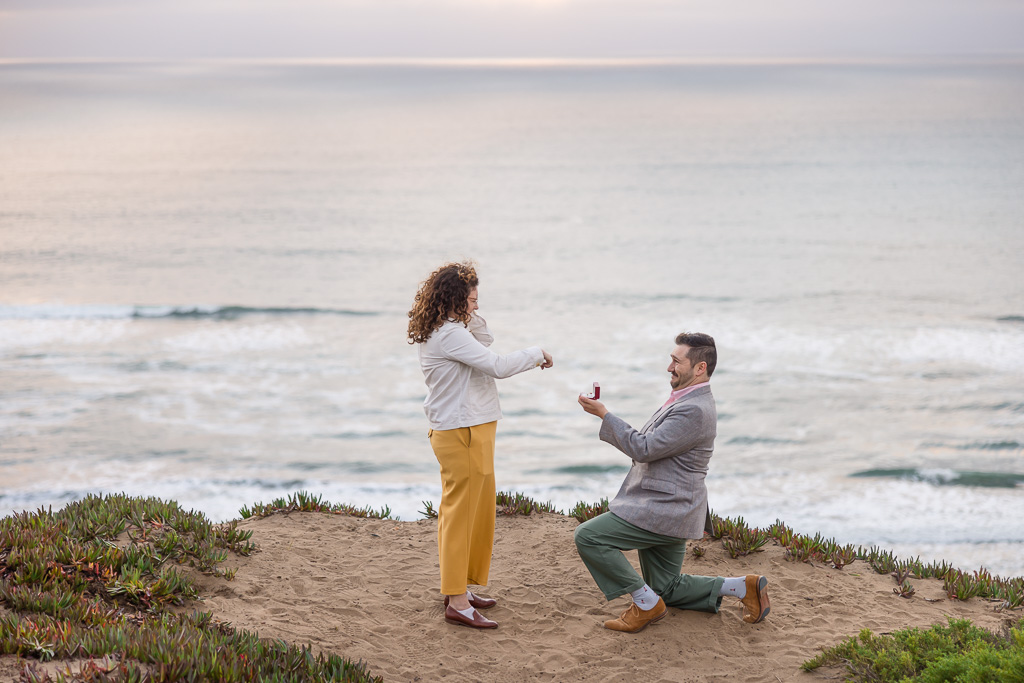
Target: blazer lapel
(664, 409)
(657, 414)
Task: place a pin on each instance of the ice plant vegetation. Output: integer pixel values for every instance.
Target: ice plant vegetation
(584, 511)
(303, 501)
(428, 510)
(511, 503)
(508, 503)
(959, 651)
(738, 539)
(903, 588)
(95, 581)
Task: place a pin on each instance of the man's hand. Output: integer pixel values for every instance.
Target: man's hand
(548, 360)
(593, 407)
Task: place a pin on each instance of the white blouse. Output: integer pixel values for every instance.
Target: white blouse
(460, 371)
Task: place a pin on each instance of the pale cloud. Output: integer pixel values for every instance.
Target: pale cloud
(171, 29)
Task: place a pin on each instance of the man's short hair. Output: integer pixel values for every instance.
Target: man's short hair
(702, 348)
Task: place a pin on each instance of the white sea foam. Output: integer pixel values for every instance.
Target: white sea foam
(841, 353)
(109, 311)
(938, 475)
(222, 502)
(64, 312)
(223, 340)
(1000, 349)
(36, 334)
(870, 511)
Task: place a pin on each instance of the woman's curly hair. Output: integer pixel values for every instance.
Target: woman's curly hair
(445, 293)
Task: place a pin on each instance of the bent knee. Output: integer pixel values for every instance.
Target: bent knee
(582, 536)
(585, 535)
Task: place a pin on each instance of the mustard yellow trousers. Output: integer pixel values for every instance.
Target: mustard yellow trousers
(465, 520)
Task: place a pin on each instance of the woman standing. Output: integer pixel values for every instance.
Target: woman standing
(462, 409)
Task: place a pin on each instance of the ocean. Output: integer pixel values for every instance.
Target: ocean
(205, 270)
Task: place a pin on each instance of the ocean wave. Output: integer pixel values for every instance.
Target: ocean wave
(755, 440)
(189, 312)
(1002, 350)
(221, 498)
(947, 477)
(1011, 319)
(583, 469)
(389, 434)
(690, 297)
(970, 407)
(631, 300)
(226, 339)
(828, 351)
(980, 446)
(535, 435)
(522, 412)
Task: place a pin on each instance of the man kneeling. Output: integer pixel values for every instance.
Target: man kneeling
(663, 502)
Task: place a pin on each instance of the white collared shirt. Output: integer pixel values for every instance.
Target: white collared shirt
(460, 371)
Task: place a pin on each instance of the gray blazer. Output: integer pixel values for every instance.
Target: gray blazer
(664, 491)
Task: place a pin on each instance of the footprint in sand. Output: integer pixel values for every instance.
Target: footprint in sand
(790, 584)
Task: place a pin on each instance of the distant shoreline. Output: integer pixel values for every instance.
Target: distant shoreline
(999, 59)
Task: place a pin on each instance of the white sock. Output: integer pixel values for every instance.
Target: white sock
(645, 598)
(736, 587)
(468, 613)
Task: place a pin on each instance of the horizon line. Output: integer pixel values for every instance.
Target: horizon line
(534, 62)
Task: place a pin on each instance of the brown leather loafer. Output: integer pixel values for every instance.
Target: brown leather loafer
(635, 619)
(477, 601)
(454, 616)
(755, 603)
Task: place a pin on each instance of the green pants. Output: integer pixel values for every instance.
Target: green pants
(600, 542)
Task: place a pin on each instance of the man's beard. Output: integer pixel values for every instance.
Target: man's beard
(678, 381)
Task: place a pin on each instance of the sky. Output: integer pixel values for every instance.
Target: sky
(539, 29)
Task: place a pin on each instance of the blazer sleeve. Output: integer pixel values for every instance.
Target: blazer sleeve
(680, 431)
(460, 345)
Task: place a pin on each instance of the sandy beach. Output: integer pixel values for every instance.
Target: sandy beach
(368, 589)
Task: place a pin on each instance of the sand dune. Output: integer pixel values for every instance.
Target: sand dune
(368, 589)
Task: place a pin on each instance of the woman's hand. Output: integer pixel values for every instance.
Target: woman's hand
(593, 407)
(548, 360)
